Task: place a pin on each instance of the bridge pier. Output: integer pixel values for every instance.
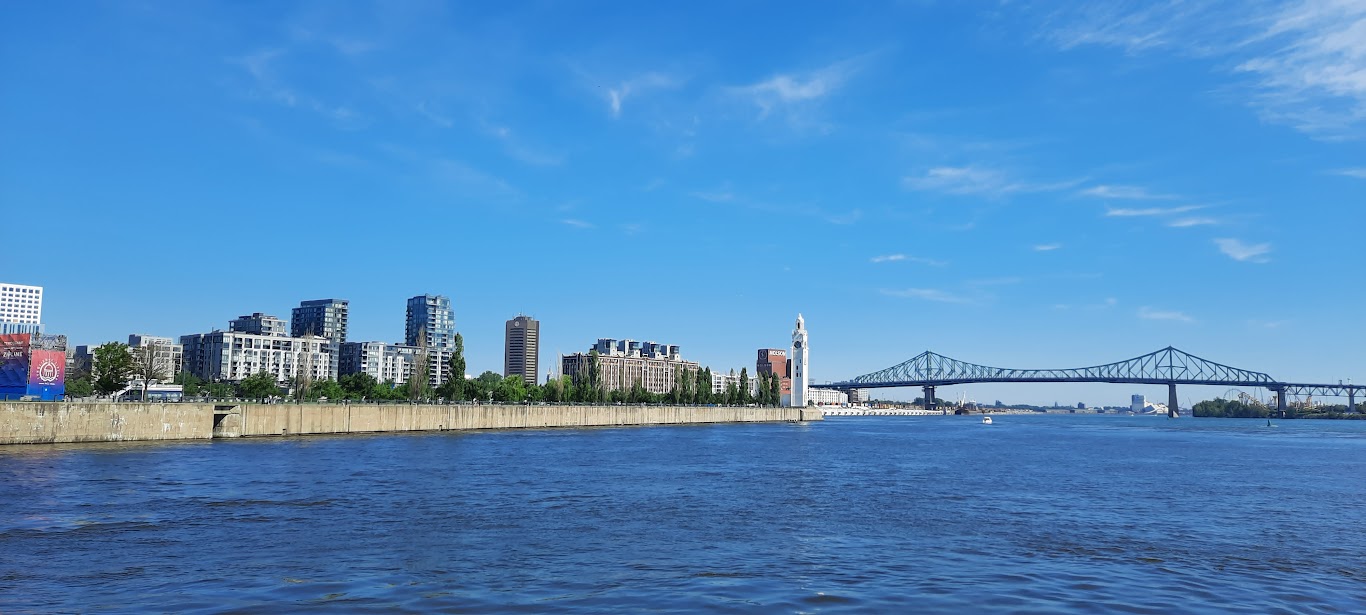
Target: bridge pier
(1280, 402)
(1173, 411)
(1351, 400)
(928, 393)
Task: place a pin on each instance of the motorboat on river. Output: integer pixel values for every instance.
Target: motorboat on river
(986, 420)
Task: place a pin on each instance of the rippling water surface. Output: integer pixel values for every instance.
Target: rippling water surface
(854, 514)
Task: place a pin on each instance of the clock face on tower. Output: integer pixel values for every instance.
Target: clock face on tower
(797, 345)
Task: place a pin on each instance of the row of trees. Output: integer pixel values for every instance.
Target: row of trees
(1226, 408)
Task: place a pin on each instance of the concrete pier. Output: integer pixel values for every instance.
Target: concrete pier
(56, 422)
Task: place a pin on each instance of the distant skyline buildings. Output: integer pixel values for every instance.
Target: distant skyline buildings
(521, 348)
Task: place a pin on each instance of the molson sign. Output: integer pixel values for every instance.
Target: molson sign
(47, 374)
(14, 365)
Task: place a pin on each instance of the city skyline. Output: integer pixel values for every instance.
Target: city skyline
(1003, 184)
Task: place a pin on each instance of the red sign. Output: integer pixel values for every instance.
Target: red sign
(47, 368)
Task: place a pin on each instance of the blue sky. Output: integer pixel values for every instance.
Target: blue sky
(1009, 183)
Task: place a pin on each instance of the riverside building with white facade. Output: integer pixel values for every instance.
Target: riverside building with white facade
(21, 309)
(255, 343)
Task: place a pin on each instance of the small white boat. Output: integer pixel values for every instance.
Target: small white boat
(986, 420)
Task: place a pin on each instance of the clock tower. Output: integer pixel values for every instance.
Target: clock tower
(800, 367)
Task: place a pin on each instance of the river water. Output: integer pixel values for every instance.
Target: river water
(853, 514)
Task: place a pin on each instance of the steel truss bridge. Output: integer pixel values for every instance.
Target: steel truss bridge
(1168, 366)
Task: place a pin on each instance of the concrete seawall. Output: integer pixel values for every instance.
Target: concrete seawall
(57, 422)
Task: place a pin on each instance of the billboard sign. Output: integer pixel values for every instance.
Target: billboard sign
(14, 364)
(47, 374)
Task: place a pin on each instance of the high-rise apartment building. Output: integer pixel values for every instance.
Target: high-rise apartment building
(521, 347)
(257, 323)
(430, 318)
(326, 318)
(21, 308)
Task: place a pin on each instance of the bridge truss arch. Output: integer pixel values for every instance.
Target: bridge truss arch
(1166, 366)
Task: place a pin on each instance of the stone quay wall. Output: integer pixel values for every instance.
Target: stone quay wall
(59, 422)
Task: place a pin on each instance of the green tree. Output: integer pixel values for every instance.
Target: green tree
(386, 391)
(359, 385)
(419, 381)
(775, 390)
(510, 389)
(326, 389)
(454, 388)
(189, 383)
(258, 386)
(113, 365)
(744, 387)
(218, 390)
(79, 386)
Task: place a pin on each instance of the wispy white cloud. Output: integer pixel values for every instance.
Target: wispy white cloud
(1148, 313)
(892, 258)
(1300, 60)
(576, 223)
(1047, 247)
(1267, 324)
(434, 117)
(635, 86)
(1359, 173)
(1188, 222)
(1124, 193)
(1151, 211)
(266, 84)
(516, 149)
(1239, 251)
(928, 294)
(790, 89)
(977, 181)
(1310, 73)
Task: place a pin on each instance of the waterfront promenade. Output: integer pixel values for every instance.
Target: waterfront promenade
(61, 422)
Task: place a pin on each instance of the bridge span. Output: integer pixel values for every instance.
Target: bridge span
(1168, 366)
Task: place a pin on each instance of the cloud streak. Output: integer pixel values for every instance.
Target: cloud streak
(1150, 211)
(617, 95)
(1300, 61)
(976, 181)
(1239, 251)
(892, 258)
(1148, 313)
(1135, 193)
(1189, 222)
